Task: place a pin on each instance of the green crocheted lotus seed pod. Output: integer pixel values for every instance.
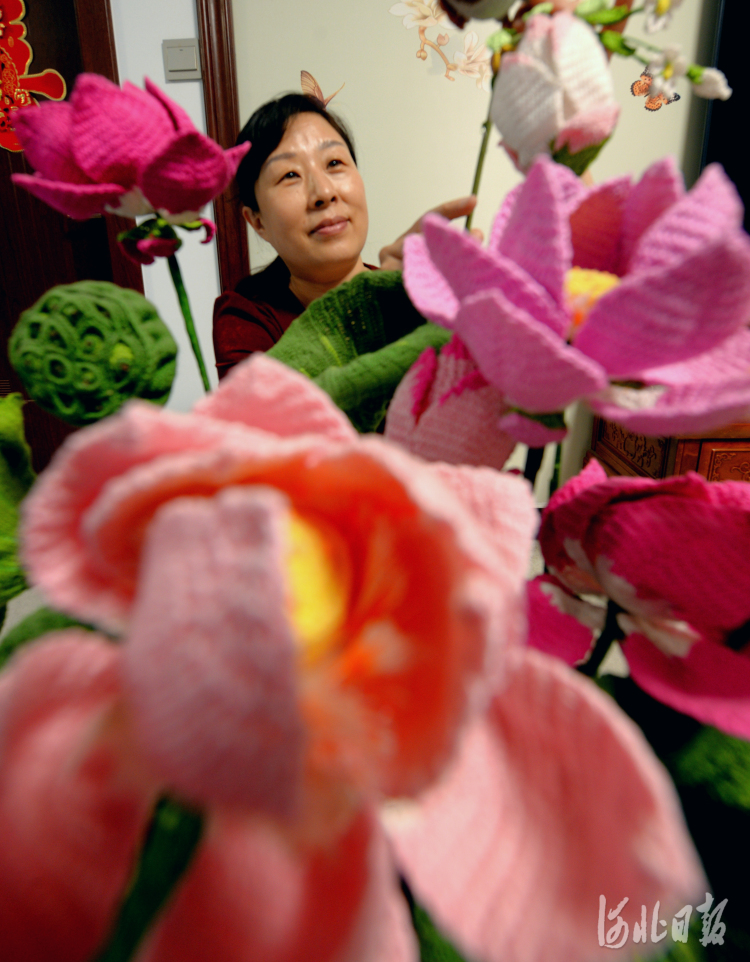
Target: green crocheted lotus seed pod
(84, 349)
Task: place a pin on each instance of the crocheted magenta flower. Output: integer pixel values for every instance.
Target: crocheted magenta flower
(673, 555)
(555, 91)
(124, 151)
(314, 623)
(635, 297)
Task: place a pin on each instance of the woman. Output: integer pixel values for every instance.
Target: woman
(302, 192)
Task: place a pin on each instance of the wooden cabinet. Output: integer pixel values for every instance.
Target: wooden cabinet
(723, 455)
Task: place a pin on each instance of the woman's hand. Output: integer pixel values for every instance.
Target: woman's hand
(392, 256)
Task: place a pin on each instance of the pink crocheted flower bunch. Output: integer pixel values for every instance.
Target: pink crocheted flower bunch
(312, 624)
(128, 152)
(634, 297)
(672, 557)
(121, 151)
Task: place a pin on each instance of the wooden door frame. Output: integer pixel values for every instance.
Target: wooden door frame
(216, 40)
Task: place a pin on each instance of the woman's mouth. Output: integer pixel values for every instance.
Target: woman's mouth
(330, 227)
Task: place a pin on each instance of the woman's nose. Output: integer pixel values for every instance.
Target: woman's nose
(322, 192)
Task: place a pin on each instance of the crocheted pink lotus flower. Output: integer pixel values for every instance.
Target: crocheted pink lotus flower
(444, 410)
(673, 555)
(635, 297)
(315, 623)
(554, 90)
(124, 151)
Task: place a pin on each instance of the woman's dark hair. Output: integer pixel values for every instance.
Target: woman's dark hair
(265, 130)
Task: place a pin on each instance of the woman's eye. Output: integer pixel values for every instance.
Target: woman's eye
(290, 175)
(335, 163)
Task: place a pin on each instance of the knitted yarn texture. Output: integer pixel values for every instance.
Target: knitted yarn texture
(357, 342)
(84, 349)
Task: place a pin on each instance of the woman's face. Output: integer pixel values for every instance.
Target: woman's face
(311, 201)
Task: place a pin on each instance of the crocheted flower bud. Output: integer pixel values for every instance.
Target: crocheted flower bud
(83, 349)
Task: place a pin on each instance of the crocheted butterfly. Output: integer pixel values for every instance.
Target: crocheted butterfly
(641, 88)
(311, 88)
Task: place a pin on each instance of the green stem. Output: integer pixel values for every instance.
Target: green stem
(480, 161)
(179, 286)
(610, 633)
(168, 849)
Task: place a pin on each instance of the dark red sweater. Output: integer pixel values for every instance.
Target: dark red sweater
(254, 315)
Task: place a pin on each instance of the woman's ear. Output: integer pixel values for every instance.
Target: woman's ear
(255, 221)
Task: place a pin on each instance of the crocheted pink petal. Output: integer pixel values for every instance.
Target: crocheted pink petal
(185, 174)
(654, 319)
(710, 400)
(72, 809)
(564, 524)
(670, 549)
(595, 226)
(568, 191)
(458, 426)
(501, 218)
(116, 131)
(659, 188)
(428, 289)
(537, 236)
(711, 210)
(251, 896)
(94, 577)
(180, 118)
(504, 507)
(532, 433)
(532, 367)
(45, 136)
(210, 660)
(711, 684)
(528, 107)
(470, 269)
(521, 826)
(588, 127)
(79, 201)
(559, 623)
(264, 393)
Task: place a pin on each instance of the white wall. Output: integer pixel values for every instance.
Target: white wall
(140, 26)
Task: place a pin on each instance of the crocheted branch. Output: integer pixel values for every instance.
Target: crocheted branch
(179, 286)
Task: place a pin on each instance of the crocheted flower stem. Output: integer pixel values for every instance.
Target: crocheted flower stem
(480, 164)
(168, 849)
(610, 633)
(174, 270)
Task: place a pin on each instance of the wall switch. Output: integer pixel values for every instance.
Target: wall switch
(181, 59)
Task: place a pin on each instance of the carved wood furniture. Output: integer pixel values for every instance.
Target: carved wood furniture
(724, 455)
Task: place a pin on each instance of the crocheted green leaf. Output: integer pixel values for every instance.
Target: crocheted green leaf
(84, 349)
(168, 849)
(16, 477)
(38, 623)
(358, 341)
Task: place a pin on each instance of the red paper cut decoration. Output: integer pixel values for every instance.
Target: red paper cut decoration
(16, 85)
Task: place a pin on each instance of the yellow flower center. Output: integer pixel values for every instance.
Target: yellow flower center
(583, 288)
(668, 70)
(662, 6)
(318, 587)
